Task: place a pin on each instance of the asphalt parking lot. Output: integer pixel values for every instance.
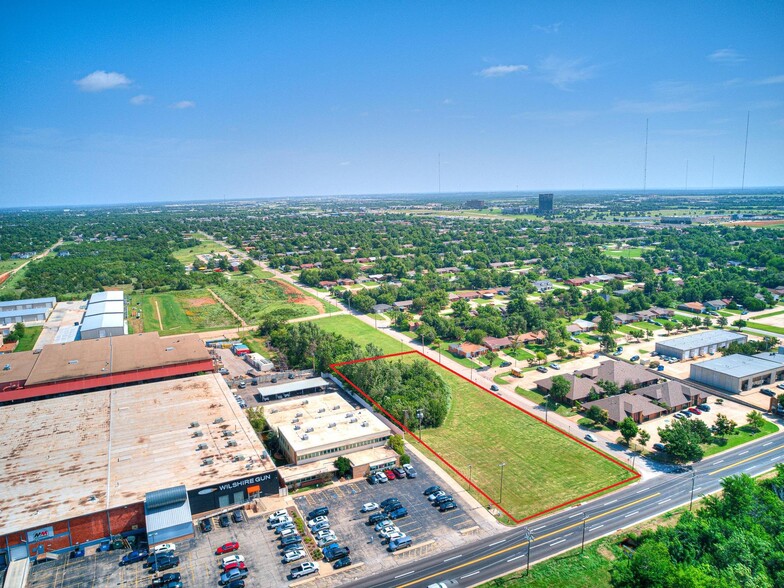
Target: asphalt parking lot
(430, 529)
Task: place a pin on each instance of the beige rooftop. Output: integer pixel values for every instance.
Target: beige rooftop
(318, 412)
(75, 455)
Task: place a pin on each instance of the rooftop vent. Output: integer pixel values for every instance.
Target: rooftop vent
(294, 421)
(354, 420)
(299, 414)
(228, 433)
(198, 434)
(322, 410)
(73, 361)
(170, 349)
(239, 457)
(194, 424)
(349, 415)
(305, 437)
(6, 367)
(309, 430)
(231, 443)
(201, 446)
(296, 427)
(336, 407)
(217, 421)
(365, 424)
(305, 402)
(273, 410)
(332, 425)
(206, 462)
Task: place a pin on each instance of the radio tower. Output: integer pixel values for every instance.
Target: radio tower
(745, 150)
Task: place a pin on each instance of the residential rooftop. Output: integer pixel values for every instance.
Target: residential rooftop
(106, 449)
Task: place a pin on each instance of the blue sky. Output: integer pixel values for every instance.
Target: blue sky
(118, 102)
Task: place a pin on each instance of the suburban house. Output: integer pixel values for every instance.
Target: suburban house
(644, 315)
(692, 307)
(658, 311)
(327, 284)
(621, 318)
(543, 285)
(467, 350)
(675, 395)
(621, 373)
(581, 326)
(381, 308)
(576, 281)
(715, 305)
(581, 388)
(403, 304)
(531, 337)
(496, 343)
(620, 406)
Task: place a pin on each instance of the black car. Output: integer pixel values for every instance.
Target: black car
(162, 581)
(164, 563)
(206, 525)
(224, 520)
(392, 507)
(372, 480)
(448, 505)
(337, 554)
(321, 511)
(376, 517)
(387, 501)
(151, 559)
(768, 392)
(431, 490)
(398, 513)
(342, 563)
(237, 516)
(290, 540)
(236, 584)
(442, 499)
(659, 447)
(506, 363)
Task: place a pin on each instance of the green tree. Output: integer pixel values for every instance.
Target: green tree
(707, 322)
(608, 344)
(756, 420)
(343, 466)
(740, 324)
(541, 357)
(20, 330)
(560, 388)
(724, 426)
(681, 442)
(723, 321)
(597, 415)
(628, 429)
(561, 353)
(574, 348)
(643, 437)
(606, 322)
(397, 444)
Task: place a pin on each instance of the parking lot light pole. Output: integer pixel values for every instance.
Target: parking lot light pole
(420, 416)
(546, 406)
(501, 493)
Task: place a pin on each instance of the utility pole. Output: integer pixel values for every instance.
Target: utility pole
(546, 406)
(582, 545)
(691, 498)
(501, 493)
(420, 415)
(528, 537)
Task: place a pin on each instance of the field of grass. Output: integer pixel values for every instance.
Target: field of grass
(544, 468)
(6, 265)
(353, 328)
(764, 327)
(188, 311)
(631, 252)
(534, 396)
(27, 342)
(252, 299)
(770, 314)
(520, 354)
(188, 255)
(461, 360)
(744, 435)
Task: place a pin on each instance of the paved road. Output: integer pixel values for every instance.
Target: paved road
(507, 552)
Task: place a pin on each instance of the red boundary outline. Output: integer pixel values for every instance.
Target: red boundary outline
(634, 475)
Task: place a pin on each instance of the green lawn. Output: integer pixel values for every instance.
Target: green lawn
(764, 327)
(353, 328)
(502, 378)
(744, 435)
(544, 468)
(27, 342)
(252, 298)
(533, 395)
(9, 264)
(188, 255)
(775, 313)
(520, 354)
(188, 311)
(461, 360)
(631, 252)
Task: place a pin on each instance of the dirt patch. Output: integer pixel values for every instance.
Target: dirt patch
(606, 553)
(296, 297)
(4, 277)
(204, 301)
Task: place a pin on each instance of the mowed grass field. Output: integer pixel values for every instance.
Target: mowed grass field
(189, 254)
(353, 328)
(544, 468)
(188, 311)
(252, 298)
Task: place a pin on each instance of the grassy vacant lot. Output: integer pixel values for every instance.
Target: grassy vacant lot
(252, 298)
(6, 265)
(764, 327)
(744, 435)
(544, 468)
(631, 252)
(188, 255)
(353, 328)
(27, 342)
(188, 311)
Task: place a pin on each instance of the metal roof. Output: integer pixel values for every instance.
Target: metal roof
(739, 366)
(15, 303)
(293, 386)
(108, 307)
(103, 321)
(166, 497)
(704, 339)
(166, 512)
(106, 296)
(22, 312)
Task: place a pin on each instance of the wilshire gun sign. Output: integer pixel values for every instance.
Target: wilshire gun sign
(233, 492)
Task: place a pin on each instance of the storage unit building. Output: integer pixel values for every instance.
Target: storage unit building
(739, 373)
(698, 344)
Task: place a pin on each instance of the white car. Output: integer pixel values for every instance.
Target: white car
(279, 520)
(381, 478)
(387, 531)
(369, 506)
(287, 532)
(230, 559)
(435, 495)
(162, 548)
(591, 438)
(382, 524)
(313, 522)
(293, 555)
(392, 536)
(277, 514)
(325, 540)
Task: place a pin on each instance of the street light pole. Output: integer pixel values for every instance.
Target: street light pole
(529, 537)
(691, 498)
(501, 493)
(420, 416)
(546, 406)
(582, 545)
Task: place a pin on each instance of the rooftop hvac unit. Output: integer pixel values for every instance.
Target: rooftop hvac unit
(305, 402)
(299, 414)
(194, 424)
(296, 427)
(201, 446)
(6, 367)
(231, 443)
(273, 410)
(217, 421)
(365, 424)
(349, 415)
(309, 430)
(305, 437)
(332, 425)
(264, 455)
(239, 457)
(198, 434)
(354, 420)
(207, 461)
(228, 433)
(293, 421)
(336, 407)
(322, 410)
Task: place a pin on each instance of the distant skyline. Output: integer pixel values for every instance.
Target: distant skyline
(103, 103)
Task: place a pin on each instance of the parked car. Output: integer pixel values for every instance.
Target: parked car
(387, 531)
(685, 413)
(164, 563)
(400, 473)
(694, 410)
(133, 557)
(390, 475)
(335, 554)
(435, 495)
(431, 490)
(223, 371)
(341, 563)
(372, 480)
(231, 576)
(410, 471)
(293, 555)
(555, 366)
(206, 525)
(448, 505)
(678, 415)
(494, 388)
(635, 358)
(163, 548)
(166, 580)
(227, 548)
(290, 541)
(398, 513)
(326, 539)
(283, 526)
(152, 558)
(399, 543)
(224, 520)
(319, 527)
(392, 506)
(704, 407)
(236, 584)
(279, 520)
(768, 392)
(277, 513)
(317, 520)
(376, 517)
(236, 516)
(441, 499)
(617, 352)
(392, 536)
(369, 507)
(541, 369)
(780, 386)
(659, 447)
(596, 356)
(506, 363)
(304, 569)
(382, 523)
(232, 559)
(238, 565)
(288, 532)
(591, 438)
(321, 511)
(381, 477)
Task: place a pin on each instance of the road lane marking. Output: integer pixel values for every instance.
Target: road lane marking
(577, 514)
(641, 491)
(611, 502)
(515, 557)
(766, 444)
(663, 501)
(469, 575)
(743, 452)
(697, 488)
(631, 513)
(718, 462)
(524, 543)
(554, 543)
(538, 528)
(737, 463)
(595, 527)
(497, 543)
(406, 574)
(451, 558)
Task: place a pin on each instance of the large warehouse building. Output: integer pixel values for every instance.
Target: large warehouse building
(698, 344)
(29, 312)
(78, 469)
(105, 316)
(100, 363)
(739, 373)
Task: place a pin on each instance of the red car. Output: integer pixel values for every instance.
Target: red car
(390, 475)
(695, 410)
(227, 548)
(240, 565)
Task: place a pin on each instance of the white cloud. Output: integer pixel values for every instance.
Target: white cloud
(344, 163)
(100, 80)
(497, 71)
(548, 29)
(726, 56)
(182, 104)
(562, 73)
(771, 80)
(141, 100)
(447, 101)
